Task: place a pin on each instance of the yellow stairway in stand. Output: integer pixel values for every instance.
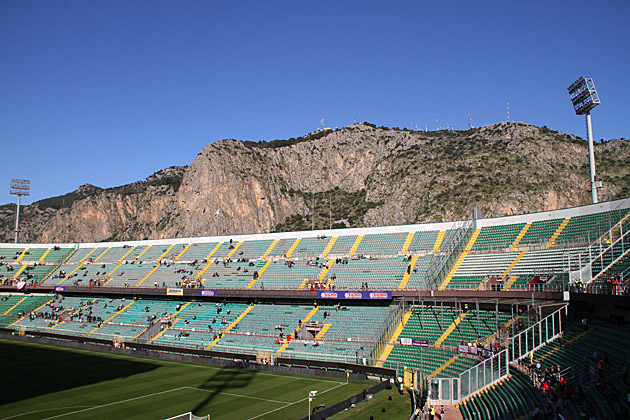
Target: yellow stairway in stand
(321, 333)
(16, 304)
(503, 328)
(44, 256)
(34, 310)
(120, 261)
(87, 256)
(356, 245)
(165, 253)
(325, 270)
(286, 344)
(148, 275)
(329, 246)
(295, 244)
(17, 274)
(19, 259)
(392, 341)
(615, 229)
(268, 251)
(557, 233)
(438, 241)
(183, 252)
(450, 329)
(234, 250)
(405, 247)
(103, 253)
(109, 275)
(229, 327)
(262, 270)
(459, 261)
(408, 271)
(441, 368)
(69, 274)
(203, 270)
(111, 317)
(162, 331)
(215, 249)
(520, 236)
(142, 253)
(505, 273)
(510, 282)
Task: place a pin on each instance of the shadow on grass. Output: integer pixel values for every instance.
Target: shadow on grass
(224, 380)
(30, 371)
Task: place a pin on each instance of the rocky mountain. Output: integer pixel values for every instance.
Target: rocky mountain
(361, 175)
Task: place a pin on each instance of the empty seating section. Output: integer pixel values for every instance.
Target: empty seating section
(128, 274)
(57, 255)
(279, 275)
(282, 247)
(419, 276)
(33, 254)
(195, 251)
(310, 247)
(540, 232)
(154, 252)
(543, 263)
(342, 246)
(253, 249)
(423, 241)
(225, 249)
(8, 270)
(111, 255)
(497, 237)
(476, 325)
(477, 267)
(426, 359)
(37, 272)
(385, 273)
(381, 244)
(588, 228)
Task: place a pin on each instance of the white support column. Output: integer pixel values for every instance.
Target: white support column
(591, 156)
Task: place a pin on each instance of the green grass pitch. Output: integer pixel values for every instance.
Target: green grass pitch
(54, 382)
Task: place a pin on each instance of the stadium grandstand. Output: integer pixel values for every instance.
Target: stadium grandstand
(502, 318)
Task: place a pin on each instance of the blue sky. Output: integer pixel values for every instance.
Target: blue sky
(108, 92)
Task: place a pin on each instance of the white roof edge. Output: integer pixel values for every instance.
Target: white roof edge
(623, 203)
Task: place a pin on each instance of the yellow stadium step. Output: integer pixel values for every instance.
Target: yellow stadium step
(70, 255)
(557, 233)
(44, 256)
(109, 276)
(165, 253)
(459, 261)
(34, 310)
(321, 333)
(262, 270)
(203, 270)
(355, 245)
(446, 364)
(215, 249)
(50, 273)
(505, 273)
(59, 321)
(450, 329)
(405, 247)
(142, 253)
(577, 337)
(286, 344)
(329, 246)
(438, 241)
(148, 275)
(392, 341)
(112, 317)
(510, 282)
(229, 327)
(163, 331)
(16, 304)
(69, 274)
(325, 270)
(501, 330)
(180, 309)
(408, 271)
(183, 252)
(271, 247)
(17, 274)
(616, 228)
(120, 261)
(19, 259)
(87, 256)
(295, 244)
(520, 236)
(234, 250)
(103, 253)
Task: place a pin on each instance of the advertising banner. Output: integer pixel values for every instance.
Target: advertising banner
(174, 292)
(207, 292)
(60, 288)
(359, 294)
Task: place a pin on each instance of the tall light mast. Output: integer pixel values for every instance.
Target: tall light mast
(19, 187)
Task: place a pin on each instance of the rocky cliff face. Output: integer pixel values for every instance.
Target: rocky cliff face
(356, 176)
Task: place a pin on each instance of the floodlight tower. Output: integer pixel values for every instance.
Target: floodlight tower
(584, 98)
(19, 187)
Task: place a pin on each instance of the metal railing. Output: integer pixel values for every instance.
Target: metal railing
(537, 335)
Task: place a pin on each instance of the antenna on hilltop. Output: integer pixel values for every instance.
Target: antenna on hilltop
(508, 109)
(437, 124)
(469, 122)
(322, 122)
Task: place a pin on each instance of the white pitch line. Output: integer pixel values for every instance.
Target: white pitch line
(40, 411)
(290, 404)
(113, 403)
(237, 395)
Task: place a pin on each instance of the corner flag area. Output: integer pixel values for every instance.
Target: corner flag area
(54, 382)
